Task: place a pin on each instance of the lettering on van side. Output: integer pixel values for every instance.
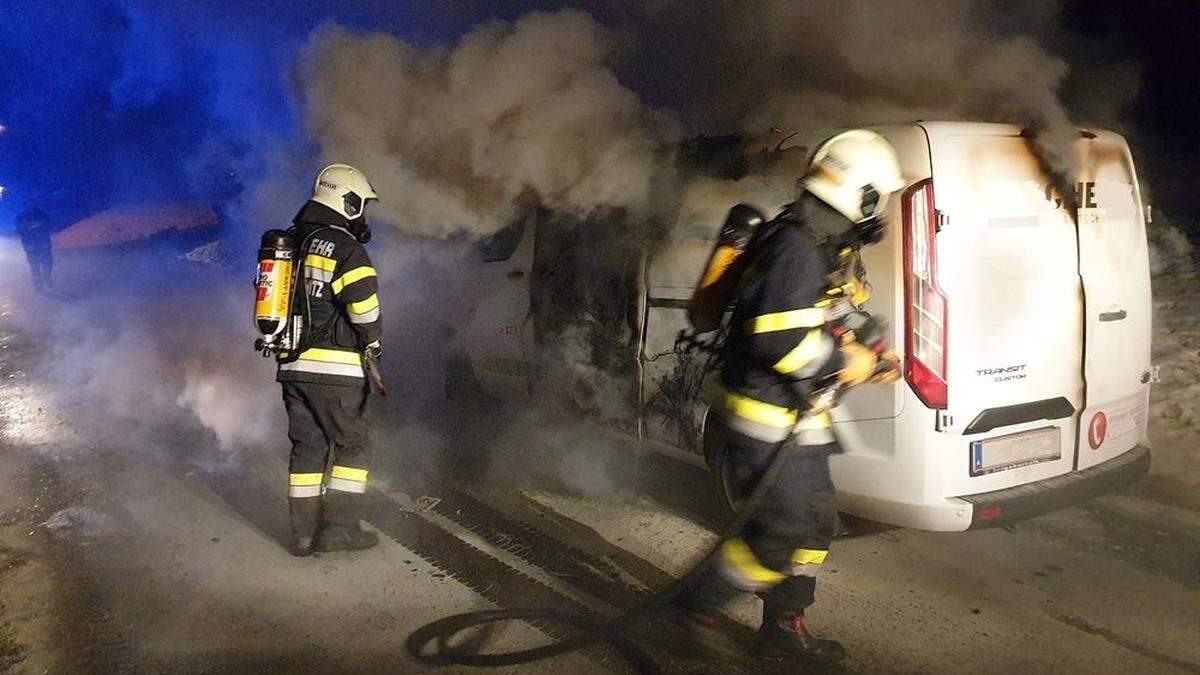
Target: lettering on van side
(1085, 195)
(1005, 374)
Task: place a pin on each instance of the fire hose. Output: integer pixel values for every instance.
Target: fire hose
(431, 643)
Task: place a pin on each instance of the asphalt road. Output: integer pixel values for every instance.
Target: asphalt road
(168, 557)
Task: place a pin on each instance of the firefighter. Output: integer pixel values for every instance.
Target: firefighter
(325, 390)
(33, 227)
(781, 347)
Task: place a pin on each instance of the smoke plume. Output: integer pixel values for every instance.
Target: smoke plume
(452, 137)
(559, 104)
(578, 107)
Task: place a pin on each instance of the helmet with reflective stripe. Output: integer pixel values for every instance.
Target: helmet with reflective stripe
(344, 189)
(854, 173)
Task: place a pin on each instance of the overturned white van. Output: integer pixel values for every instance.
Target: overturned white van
(1024, 328)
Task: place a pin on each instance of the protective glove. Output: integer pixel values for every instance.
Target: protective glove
(859, 364)
(887, 370)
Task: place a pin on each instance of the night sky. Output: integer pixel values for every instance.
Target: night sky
(1164, 37)
(112, 102)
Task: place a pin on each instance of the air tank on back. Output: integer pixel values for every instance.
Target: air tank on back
(273, 287)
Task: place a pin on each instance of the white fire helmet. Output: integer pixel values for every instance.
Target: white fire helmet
(344, 189)
(854, 172)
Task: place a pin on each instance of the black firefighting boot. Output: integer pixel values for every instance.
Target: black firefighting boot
(340, 529)
(786, 638)
(303, 513)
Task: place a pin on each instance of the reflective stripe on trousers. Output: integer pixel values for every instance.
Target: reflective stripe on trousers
(305, 484)
(343, 478)
(347, 479)
(742, 569)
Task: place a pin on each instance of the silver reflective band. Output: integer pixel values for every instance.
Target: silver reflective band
(318, 274)
(322, 368)
(304, 491)
(807, 356)
(806, 570)
(814, 436)
(819, 360)
(755, 430)
(343, 485)
(367, 317)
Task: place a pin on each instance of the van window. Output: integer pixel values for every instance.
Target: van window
(501, 245)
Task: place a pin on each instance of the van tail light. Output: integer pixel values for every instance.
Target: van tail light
(925, 304)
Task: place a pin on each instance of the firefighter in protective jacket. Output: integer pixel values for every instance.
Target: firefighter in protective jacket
(33, 227)
(780, 347)
(324, 385)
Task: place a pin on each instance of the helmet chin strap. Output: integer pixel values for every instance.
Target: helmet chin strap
(870, 230)
(360, 229)
(358, 226)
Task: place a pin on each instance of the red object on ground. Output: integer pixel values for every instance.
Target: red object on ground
(134, 223)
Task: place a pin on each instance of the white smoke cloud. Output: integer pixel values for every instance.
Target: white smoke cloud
(452, 137)
(553, 102)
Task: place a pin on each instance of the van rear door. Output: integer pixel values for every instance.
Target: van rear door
(1114, 266)
(497, 336)
(1008, 265)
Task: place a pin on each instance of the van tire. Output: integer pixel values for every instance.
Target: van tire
(460, 382)
(718, 466)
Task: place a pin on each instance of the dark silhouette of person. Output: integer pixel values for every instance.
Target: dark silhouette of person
(33, 227)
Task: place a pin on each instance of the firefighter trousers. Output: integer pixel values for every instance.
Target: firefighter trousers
(325, 418)
(41, 265)
(786, 538)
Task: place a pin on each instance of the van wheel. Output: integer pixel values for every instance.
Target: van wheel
(718, 466)
(460, 382)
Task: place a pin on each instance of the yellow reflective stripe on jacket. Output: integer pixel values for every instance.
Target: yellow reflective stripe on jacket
(320, 262)
(810, 317)
(359, 475)
(757, 411)
(365, 306)
(305, 479)
(331, 356)
(742, 568)
(814, 346)
(356, 274)
(808, 556)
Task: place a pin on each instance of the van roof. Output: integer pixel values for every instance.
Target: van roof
(951, 128)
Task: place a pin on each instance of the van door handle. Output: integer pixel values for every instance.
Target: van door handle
(515, 274)
(1113, 316)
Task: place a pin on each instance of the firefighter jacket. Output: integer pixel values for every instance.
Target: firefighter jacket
(33, 227)
(336, 301)
(779, 346)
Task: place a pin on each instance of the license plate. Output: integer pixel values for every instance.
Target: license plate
(1009, 452)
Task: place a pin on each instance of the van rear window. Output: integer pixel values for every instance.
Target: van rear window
(501, 245)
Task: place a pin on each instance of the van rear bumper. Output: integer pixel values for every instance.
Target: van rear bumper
(1034, 499)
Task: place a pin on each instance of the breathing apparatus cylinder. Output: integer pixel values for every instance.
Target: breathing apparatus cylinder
(273, 289)
(714, 292)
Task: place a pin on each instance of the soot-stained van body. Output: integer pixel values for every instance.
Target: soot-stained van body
(1025, 331)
